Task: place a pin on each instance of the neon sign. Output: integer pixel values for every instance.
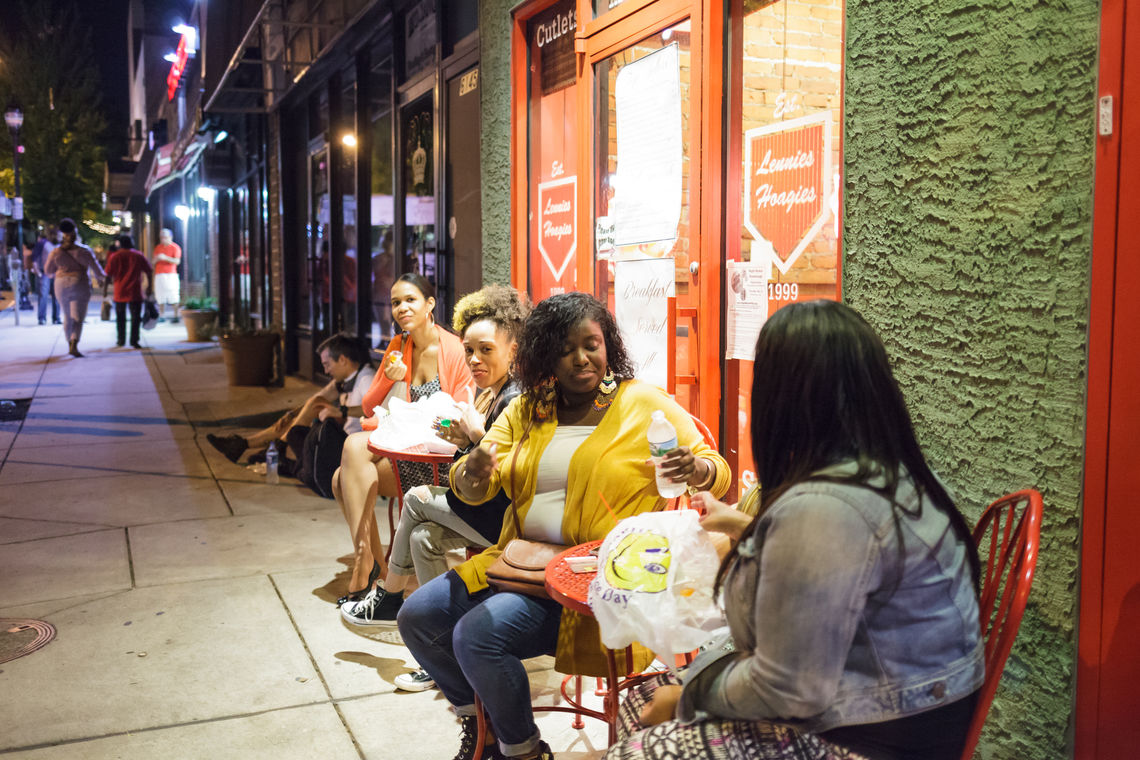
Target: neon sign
(177, 67)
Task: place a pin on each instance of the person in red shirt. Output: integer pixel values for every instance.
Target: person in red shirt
(167, 256)
(127, 267)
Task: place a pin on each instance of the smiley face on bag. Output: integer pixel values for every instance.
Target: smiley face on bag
(639, 563)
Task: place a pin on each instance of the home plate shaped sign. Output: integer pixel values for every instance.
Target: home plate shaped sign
(787, 170)
(558, 224)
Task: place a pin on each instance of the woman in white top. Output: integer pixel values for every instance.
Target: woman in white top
(70, 264)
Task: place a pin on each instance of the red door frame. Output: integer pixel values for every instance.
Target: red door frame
(1107, 668)
(595, 39)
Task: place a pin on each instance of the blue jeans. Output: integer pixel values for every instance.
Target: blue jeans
(475, 643)
(46, 294)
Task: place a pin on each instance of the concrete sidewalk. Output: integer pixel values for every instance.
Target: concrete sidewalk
(193, 603)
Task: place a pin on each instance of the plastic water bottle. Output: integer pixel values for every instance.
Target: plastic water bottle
(271, 464)
(662, 440)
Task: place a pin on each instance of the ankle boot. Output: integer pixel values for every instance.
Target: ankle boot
(73, 348)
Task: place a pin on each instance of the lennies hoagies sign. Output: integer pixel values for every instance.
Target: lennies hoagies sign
(787, 172)
(557, 224)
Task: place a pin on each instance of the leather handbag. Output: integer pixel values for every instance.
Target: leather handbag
(105, 312)
(521, 567)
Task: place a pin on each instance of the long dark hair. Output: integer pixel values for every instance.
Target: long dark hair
(420, 282)
(822, 393)
(540, 345)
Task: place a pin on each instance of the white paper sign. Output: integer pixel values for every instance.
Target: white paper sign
(647, 191)
(642, 288)
(746, 295)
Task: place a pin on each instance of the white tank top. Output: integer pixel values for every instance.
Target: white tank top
(544, 518)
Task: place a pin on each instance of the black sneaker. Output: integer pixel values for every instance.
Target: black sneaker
(233, 446)
(417, 680)
(541, 752)
(469, 741)
(378, 607)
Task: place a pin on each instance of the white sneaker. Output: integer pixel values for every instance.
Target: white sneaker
(417, 680)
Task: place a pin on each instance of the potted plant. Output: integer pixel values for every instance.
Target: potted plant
(248, 354)
(199, 314)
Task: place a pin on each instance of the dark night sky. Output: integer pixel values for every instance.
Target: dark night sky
(108, 22)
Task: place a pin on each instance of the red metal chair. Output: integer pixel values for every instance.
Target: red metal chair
(1013, 526)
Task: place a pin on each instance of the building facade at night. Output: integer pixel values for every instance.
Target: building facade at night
(698, 165)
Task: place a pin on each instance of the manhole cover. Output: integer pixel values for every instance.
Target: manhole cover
(21, 637)
(14, 409)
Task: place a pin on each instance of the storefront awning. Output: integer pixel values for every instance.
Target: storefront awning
(276, 51)
(170, 164)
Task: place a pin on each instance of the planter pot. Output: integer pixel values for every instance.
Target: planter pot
(249, 358)
(199, 323)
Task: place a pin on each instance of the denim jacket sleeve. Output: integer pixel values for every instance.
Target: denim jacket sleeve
(793, 610)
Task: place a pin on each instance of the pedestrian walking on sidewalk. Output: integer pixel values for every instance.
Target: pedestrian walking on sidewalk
(167, 256)
(45, 292)
(127, 268)
(69, 264)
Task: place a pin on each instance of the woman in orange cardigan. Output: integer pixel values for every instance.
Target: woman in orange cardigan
(436, 361)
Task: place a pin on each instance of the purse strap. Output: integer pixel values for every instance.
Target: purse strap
(511, 477)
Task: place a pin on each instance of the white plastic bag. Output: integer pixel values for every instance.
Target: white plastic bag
(655, 583)
(408, 426)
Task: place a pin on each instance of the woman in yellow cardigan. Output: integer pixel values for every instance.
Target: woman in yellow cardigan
(579, 427)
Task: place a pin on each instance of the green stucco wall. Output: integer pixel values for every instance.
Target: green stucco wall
(967, 240)
(495, 137)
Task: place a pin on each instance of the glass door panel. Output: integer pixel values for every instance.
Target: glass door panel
(643, 172)
(420, 253)
(786, 247)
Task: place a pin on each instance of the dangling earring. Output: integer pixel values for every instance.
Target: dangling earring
(605, 391)
(547, 398)
(609, 383)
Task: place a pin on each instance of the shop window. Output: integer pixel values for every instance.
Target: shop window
(346, 182)
(553, 152)
(383, 210)
(420, 37)
(787, 107)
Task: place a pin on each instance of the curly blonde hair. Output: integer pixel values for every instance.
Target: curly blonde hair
(505, 306)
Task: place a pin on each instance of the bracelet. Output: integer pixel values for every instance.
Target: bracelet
(707, 483)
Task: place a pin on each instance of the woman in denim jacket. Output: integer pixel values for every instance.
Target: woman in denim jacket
(851, 599)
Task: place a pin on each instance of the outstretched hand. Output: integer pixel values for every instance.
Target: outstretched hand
(481, 462)
(719, 517)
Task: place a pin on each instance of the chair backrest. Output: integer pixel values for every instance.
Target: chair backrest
(703, 429)
(1007, 536)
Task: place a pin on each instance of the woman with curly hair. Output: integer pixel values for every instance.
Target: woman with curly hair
(423, 359)
(433, 519)
(578, 429)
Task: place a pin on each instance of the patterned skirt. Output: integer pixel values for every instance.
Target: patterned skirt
(716, 739)
(414, 474)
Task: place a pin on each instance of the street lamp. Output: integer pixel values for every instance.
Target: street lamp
(14, 118)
